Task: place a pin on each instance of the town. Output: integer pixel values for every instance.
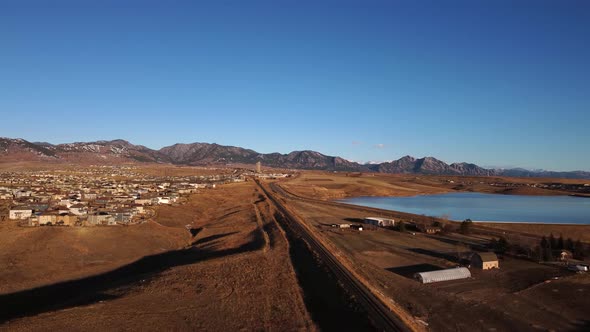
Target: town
(100, 195)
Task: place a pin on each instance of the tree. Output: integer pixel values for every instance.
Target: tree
(401, 226)
(552, 241)
(579, 252)
(502, 246)
(560, 242)
(494, 244)
(569, 244)
(466, 226)
(544, 249)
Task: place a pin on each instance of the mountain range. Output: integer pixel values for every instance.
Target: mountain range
(200, 154)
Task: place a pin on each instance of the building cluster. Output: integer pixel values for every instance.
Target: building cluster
(106, 195)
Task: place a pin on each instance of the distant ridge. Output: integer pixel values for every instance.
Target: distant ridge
(121, 151)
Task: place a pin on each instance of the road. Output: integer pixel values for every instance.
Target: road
(380, 315)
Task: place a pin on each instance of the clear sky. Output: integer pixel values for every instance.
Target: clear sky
(503, 83)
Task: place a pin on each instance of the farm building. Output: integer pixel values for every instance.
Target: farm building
(429, 229)
(357, 227)
(565, 255)
(20, 212)
(341, 225)
(443, 275)
(485, 260)
(381, 222)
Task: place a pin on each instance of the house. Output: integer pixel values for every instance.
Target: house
(381, 222)
(164, 200)
(485, 260)
(67, 219)
(48, 218)
(144, 201)
(78, 209)
(99, 218)
(565, 255)
(429, 229)
(20, 212)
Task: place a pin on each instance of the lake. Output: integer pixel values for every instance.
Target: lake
(487, 207)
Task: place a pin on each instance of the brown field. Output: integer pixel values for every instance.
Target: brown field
(503, 300)
(235, 274)
(325, 185)
(575, 232)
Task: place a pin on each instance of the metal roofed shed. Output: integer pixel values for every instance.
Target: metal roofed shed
(378, 221)
(443, 275)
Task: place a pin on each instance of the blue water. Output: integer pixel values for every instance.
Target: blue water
(488, 207)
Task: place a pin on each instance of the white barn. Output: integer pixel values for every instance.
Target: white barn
(378, 221)
(443, 275)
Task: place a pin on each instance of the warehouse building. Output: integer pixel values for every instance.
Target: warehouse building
(443, 275)
(381, 222)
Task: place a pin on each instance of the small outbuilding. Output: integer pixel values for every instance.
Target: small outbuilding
(565, 255)
(443, 275)
(429, 229)
(485, 260)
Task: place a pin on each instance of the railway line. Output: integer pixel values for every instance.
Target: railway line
(379, 314)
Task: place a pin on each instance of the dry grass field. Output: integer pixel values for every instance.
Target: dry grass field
(575, 232)
(234, 274)
(326, 185)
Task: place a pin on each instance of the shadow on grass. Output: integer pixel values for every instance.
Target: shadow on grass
(358, 220)
(93, 289)
(436, 254)
(211, 238)
(583, 325)
(470, 245)
(408, 271)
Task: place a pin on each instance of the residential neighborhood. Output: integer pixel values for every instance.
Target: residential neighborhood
(97, 195)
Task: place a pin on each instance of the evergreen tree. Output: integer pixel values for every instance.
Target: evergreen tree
(402, 226)
(544, 248)
(560, 242)
(494, 244)
(466, 226)
(502, 245)
(552, 241)
(569, 244)
(579, 252)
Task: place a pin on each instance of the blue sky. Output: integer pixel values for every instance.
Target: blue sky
(489, 82)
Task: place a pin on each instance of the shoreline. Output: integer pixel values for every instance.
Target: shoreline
(527, 223)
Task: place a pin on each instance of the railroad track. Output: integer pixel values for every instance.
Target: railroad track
(379, 314)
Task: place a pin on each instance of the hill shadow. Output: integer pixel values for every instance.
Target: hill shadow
(436, 254)
(92, 289)
(408, 271)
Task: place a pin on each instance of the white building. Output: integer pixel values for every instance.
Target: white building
(443, 275)
(20, 213)
(381, 222)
